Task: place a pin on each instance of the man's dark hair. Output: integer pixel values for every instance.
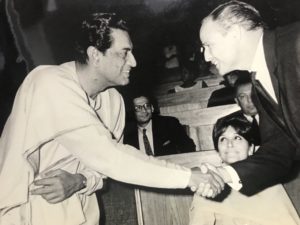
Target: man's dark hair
(236, 12)
(96, 31)
(243, 79)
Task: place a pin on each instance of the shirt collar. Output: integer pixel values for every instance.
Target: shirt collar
(250, 118)
(148, 127)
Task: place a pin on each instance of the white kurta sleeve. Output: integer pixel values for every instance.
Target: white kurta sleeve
(94, 147)
(94, 180)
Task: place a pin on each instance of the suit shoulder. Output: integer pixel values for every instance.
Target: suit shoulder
(236, 113)
(166, 119)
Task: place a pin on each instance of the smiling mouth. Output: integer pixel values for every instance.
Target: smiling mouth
(126, 71)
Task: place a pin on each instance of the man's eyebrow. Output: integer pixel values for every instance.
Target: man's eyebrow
(127, 48)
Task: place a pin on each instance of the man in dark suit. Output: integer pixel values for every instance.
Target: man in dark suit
(234, 38)
(248, 110)
(154, 134)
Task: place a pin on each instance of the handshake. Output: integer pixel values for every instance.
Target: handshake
(208, 181)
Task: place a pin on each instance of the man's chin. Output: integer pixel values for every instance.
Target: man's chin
(125, 82)
(221, 71)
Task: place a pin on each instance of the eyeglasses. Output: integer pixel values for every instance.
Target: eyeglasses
(244, 97)
(140, 108)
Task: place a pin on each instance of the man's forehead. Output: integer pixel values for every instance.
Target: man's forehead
(121, 39)
(210, 28)
(244, 88)
(140, 100)
(207, 23)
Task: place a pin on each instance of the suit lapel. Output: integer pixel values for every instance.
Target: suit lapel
(135, 138)
(155, 133)
(271, 60)
(277, 113)
(269, 105)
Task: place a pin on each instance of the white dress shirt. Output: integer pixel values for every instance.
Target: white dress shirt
(259, 66)
(250, 119)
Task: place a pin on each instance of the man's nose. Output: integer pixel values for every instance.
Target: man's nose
(249, 100)
(131, 60)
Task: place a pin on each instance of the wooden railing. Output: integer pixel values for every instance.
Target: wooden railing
(198, 95)
(170, 207)
(208, 81)
(199, 121)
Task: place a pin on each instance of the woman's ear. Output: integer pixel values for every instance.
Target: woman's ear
(251, 149)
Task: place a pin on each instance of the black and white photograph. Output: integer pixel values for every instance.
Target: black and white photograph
(149, 112)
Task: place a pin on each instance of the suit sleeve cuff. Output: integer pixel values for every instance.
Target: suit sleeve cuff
(236, 182)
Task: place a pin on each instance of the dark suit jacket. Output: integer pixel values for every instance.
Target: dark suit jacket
(279, 124)
(169, 136)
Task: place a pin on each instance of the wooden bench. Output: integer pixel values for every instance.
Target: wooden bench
(170, 207)
(207, 81)
(198, 121)
(199, 95)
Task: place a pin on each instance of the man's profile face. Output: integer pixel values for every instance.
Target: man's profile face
(117, 61)
(143, 110)
(219, 46)
(243, 99)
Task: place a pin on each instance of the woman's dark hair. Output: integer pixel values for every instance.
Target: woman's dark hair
(96, 31)
(240, 124)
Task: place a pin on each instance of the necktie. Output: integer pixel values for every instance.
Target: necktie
(147, 143)
(255, 131)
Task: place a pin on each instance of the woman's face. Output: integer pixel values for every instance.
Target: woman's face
(232, 146)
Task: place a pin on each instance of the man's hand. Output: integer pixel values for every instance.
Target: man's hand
(207, 183)
(58, 185)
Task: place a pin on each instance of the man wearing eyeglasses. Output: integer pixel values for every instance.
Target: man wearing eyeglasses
(156, 135)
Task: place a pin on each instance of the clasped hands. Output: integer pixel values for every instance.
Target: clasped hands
(206, 181)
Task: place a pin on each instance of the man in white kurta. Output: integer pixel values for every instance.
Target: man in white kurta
(53, 124)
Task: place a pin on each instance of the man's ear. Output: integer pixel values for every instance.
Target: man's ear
(236, 101)
(94, 55)
(152, 108)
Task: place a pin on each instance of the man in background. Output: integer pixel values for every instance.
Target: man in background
(248, 110)
(154, 134)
